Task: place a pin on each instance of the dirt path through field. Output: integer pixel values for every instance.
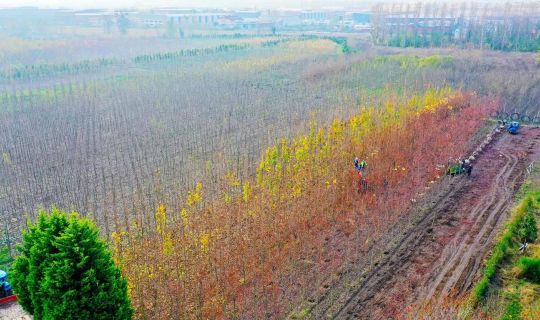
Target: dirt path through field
(439, 252)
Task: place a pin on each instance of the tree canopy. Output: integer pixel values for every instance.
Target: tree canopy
(64, 271)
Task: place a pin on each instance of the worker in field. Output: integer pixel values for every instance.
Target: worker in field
(360, 166)
(363, 164)
(362, 182)
(467, 167)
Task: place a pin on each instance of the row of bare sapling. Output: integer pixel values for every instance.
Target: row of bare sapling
(485, 143)
(263, 245)
(115, 149)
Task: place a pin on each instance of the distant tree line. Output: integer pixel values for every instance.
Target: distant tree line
(508, 27)
(229, 36)
(342, 43)
(303, 37)
(33, 71)
(37, 71)
(189, 53)
(122, 22)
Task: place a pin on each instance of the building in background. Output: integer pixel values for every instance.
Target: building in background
(361, 17)
(174, 21)
(510, 26)
(286, 17)
(199, 19)
(93, 17)
(247, 14)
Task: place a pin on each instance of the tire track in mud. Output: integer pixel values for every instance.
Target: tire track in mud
(460, 270)
(486, 215)
(447, 242)
(347, 292)
(356, 305)
(458, 265)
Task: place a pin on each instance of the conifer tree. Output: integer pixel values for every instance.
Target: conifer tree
(66, 272)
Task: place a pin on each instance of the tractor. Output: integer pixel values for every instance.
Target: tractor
(459, 168)
(454, 170)
(513, 127)
(6, 293)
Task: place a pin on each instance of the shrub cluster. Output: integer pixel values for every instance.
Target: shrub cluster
(530, 268)
(521, 227)
(342, 43)
(65, 272)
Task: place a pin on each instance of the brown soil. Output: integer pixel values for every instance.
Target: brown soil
(438, 249)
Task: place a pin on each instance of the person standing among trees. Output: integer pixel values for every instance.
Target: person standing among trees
(360, 166)
(467, 167)
(357, 163)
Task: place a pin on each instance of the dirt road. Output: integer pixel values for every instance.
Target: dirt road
(439, 249)
(13, 311)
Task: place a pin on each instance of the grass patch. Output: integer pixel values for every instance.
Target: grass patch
(302, 314)
(514, 308)
(510, 287)
(529, 268)
(516, 230)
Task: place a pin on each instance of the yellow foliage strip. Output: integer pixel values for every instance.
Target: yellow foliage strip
(195, 197)
(313, 151)
(291, 51)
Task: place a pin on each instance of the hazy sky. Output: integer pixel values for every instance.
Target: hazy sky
(180, 3)
(202, 3)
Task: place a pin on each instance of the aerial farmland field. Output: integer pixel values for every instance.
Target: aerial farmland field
(217, 168)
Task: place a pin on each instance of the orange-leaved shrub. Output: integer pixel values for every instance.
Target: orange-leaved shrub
(262, 245)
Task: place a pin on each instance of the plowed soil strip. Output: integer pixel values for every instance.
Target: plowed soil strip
(438, 249)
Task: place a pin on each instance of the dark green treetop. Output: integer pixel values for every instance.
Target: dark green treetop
(64, 271)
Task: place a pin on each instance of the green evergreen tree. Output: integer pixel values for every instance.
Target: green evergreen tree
(66, 272)
(29, 267)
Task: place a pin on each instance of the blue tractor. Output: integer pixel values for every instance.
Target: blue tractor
(5, 287)
(513, 127)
